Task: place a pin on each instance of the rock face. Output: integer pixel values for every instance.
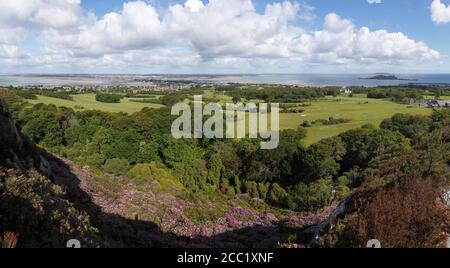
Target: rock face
(313, 233)
(446, 197)
(16, 150)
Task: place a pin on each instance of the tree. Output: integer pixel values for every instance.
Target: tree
(215, 169)
(170, 100)
(276, 165)
(108, 98)
(112, 143)
(411, 126)
(312, 197)
(263, 190)
(236, 183)
(237, 99)
(179, 151)
(251, 188)
(320, 160)
(79, 133)
(277, 195)
(42, 120)
(364, 144)
(148, 152)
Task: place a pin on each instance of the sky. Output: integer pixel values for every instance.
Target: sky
(224, 36)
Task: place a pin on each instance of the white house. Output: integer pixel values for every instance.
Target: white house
(346, 90)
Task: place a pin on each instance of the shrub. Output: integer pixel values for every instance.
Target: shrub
(8, 97)
(75, 152)
(145, 173)
(117, 166)
(251, 188)
(34, 214)
(237, 184)
(333, 121)
(152, 101)
(263, 189)
(277, 195)
(231, 192)
(58, 95)
(396, 204)
(343, 181)
(108, 98)
(306, 123)
(95, 160)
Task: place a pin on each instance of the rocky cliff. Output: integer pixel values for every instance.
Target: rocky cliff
(16, 150)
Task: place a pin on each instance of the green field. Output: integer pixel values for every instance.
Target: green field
(360, 109)
(88, 102)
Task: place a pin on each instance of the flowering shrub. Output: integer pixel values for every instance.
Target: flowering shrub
(35, 213)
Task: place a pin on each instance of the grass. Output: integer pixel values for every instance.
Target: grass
(88, 102)
(221, 97)
(360, 109)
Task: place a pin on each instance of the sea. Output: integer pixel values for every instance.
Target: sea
(285, 79)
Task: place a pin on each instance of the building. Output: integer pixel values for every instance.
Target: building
(346, 90)
(433, 103)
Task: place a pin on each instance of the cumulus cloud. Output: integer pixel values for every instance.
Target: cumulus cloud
(136, 26)
(440, 13)
(233, 27)
(47, 13)
(341, 42)
(228, 32)
(20, 16)
(374, 1)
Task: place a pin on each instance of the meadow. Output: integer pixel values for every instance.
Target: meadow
(87, 102)
(359, 109)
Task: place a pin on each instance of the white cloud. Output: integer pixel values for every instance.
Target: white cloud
(136, 26)
(194, 5)
(21, 16)
(440, 13)
(374, 1)
(196, 34)
(47, 13)
(233, 27)
(341, 42)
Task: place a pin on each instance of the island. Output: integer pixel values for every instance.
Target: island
(387, 77)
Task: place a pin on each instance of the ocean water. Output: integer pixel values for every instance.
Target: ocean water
(287, 79)
(341, 79)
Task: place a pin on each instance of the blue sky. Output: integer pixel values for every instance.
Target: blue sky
(409, 16)
(225, 37)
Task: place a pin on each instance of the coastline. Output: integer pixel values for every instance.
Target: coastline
(297, 80)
